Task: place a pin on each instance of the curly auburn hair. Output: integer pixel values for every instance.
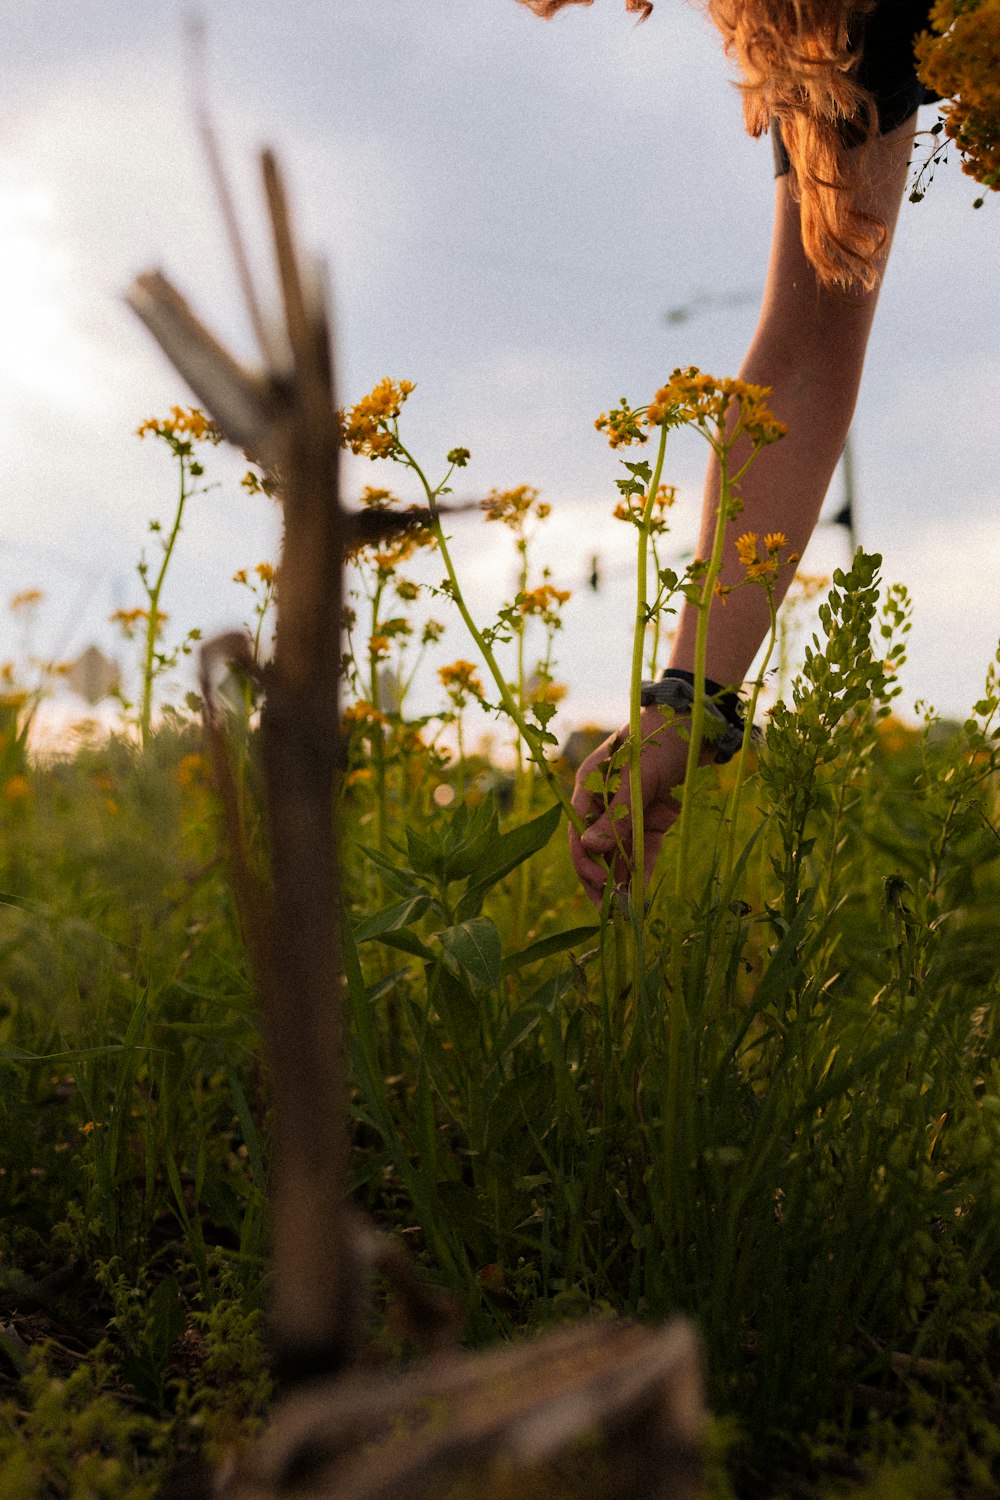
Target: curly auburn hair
(799, 62)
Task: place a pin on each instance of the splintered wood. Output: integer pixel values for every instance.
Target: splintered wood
(603, 1409)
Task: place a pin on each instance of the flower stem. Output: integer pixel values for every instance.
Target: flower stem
(741, 763)
(722, 448)
(635, 689)
(511, 708)
(149, 672)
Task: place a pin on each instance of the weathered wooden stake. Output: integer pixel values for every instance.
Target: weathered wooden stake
(606, 1410)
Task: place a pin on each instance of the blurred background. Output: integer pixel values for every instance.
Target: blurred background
(526, 219)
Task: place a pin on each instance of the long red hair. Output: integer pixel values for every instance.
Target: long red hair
(798, 60)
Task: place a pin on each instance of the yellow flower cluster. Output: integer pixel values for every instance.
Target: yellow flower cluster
(266, 572)
(461, 678)
(364, 427)
(362, 713)
(960, 60)
(765, 567)
(544, 600)
(513, 507)
(622, 424)
(184, 423)
(631, 509)
(691, 397)
(549, 692)
(128, 619)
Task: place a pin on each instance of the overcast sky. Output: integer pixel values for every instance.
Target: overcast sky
(510, 209)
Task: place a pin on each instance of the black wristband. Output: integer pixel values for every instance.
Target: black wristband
(726, 700)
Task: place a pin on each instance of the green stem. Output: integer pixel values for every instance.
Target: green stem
(535, 749)
(149, 672)
(734, 800)
(722, 448)
(377, 740)
(635, 691)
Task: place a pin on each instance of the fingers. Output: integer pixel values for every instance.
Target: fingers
(604, 850)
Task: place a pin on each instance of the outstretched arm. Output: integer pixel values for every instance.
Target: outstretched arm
(809, 348)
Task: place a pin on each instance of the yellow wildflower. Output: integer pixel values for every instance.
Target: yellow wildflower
(544, 600)
(549, 692)
(691, 396)
(365, 427)
(746, 548)
(513, 507)
(960, 60)
(622, 424)
(240, 576)
(774, 541)
(17, 789)
(460, 678)
(362, 713)
(265, 572)
(184, 422)
(26, 599)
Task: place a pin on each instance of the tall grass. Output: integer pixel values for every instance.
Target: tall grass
(771, 1099)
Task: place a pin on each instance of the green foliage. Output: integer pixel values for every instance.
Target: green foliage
(71, 1439)
(774, 1103)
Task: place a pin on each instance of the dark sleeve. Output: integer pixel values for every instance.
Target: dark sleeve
(888, 68)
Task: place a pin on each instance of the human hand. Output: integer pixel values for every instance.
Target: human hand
(603, 851)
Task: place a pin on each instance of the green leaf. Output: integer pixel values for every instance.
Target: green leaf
(505, 854)
(407, 942)
(397, 877)
(557, 942)
(166, 1320)
(471, 842)
(392, 918)
(425, 857)
(475, 947)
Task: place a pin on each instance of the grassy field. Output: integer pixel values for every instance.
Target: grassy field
(768, 1096)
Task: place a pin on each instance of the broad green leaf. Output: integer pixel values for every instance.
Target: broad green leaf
(475, 947)
(407, 942)
(397, 876)
(558, 942)
(392, 918)
(505, 854)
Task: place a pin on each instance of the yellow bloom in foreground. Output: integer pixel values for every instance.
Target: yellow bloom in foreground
(622, 424)
(17, 789)
(962, 64)
(365, 426)
(691, 396)
(774, 541)
(265, 572)
(746, 548)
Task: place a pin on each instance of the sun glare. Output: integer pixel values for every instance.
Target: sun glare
(39, 351)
